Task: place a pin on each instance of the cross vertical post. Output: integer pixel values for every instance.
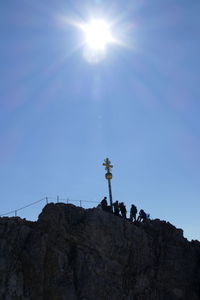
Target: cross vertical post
(108, 176)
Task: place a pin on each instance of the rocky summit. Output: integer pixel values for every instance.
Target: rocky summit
(72, 253)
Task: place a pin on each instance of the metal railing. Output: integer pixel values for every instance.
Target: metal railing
(48, 200)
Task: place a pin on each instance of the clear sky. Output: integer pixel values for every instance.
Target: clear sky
(61, 116)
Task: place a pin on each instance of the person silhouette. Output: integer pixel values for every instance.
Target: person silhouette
(122, 208)
(104, 204)
(133, 213)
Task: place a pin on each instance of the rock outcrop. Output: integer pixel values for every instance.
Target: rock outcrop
(75, 254)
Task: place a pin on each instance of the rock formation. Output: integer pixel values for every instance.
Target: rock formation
(75, 254)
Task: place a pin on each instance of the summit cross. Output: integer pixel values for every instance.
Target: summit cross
(107, 164)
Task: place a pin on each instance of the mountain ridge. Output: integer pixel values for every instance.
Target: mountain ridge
(72, 253)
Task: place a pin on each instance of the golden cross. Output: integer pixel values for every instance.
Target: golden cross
(107, 164)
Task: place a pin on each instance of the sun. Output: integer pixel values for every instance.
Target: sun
(97, 34)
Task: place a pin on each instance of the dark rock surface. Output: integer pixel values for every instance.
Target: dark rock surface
(75, 254)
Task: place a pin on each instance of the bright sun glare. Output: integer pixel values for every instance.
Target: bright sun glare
(97, 34)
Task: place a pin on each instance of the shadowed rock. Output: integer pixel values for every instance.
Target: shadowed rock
(75, 254)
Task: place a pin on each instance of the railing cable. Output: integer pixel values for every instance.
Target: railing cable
(56, 199)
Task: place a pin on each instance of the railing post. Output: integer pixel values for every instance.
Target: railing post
(57, 199)
(80, 203)
(15, 213)
(67, 200)
(46, 200)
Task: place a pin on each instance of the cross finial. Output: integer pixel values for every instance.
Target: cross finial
(107, 164)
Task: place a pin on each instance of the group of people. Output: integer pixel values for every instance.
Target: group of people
(120, 210)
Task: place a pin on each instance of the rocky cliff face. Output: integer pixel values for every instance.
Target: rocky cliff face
(75, 254)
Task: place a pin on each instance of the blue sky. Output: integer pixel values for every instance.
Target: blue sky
(60, 116)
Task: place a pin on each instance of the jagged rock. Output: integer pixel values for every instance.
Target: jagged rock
(75, 254)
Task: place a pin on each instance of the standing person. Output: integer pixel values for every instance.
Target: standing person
(122, 208)
(116, 208)
(104, 204)
(142, 216)
(133, 213)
